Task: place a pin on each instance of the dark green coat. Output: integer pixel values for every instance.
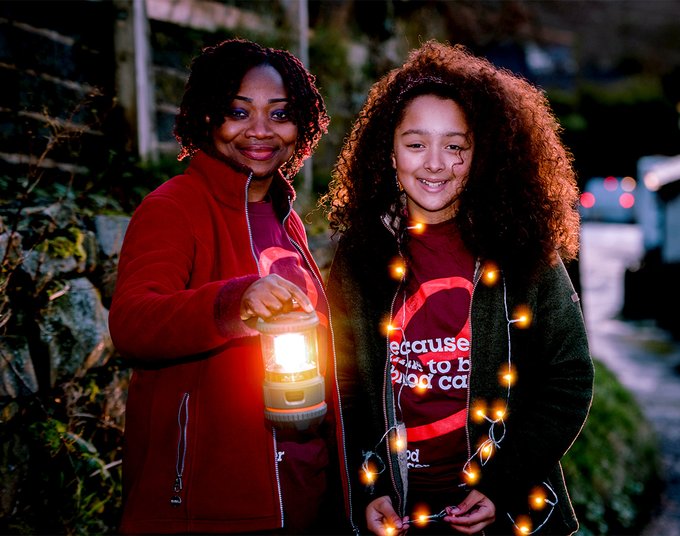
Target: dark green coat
(547, 406)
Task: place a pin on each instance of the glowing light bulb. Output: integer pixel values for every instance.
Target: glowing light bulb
(397, 268)
(506, 376)
(486, 450)
(471, 476)
(491, 274)
(523, 525)
(389, 530)
(538, 499)
(478, 411)
(522, 317)
(290, 353)
(500, 413)
(370, 477)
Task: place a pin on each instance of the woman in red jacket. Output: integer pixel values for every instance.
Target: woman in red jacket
(205, 254)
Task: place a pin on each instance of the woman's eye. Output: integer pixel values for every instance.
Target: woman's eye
(415, 145)
(280, 115)
(237, 113)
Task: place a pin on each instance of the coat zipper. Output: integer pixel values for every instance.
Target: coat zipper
(183, 424)
(387, 378)
(250, 230)
(475, 280)
(302, 253)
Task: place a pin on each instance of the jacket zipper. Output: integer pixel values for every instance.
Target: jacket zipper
(182, 424)
(355, 529)
(302, 253)
(257, 265)
(387, 378)
(250, 230)
(475, 280)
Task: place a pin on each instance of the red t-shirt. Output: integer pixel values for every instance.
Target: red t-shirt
(302, 457)
(430, 354)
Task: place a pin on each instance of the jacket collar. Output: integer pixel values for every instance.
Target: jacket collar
(392, 218)
(229, 185)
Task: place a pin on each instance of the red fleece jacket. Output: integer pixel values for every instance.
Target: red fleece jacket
(198, 456)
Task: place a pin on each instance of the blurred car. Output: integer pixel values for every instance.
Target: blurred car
(608, 199)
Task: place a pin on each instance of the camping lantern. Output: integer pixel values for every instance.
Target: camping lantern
(293, 387)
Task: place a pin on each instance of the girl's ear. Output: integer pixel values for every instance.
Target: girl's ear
(394, 161)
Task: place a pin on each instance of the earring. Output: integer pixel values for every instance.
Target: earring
(399, 186)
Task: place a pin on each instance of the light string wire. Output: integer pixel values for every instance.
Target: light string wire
(486, 448)
(371, 475)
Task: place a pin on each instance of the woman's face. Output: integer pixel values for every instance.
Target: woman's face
(257, 134)
(432, 153)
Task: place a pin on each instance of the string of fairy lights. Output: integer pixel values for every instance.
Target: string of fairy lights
(373, 465)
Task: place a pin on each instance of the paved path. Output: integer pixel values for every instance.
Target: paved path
(645, 359)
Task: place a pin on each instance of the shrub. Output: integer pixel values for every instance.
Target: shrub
(613, 469)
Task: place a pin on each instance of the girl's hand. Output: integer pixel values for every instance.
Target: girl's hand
(383, 520)
(472, 515)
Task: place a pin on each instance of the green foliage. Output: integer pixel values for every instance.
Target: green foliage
(613, 468)
(67, 475)
(67, 244)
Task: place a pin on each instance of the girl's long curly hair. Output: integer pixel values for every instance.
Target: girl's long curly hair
(519, 204)
(214, 81)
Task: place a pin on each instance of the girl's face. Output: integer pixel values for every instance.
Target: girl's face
(257, 134)
(432, 153)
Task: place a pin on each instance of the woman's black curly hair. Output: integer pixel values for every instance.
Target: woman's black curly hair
(519, 204)
(214, 81)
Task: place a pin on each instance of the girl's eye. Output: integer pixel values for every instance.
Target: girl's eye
(415, 145)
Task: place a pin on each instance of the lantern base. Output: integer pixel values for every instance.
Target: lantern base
(297, 419)
(295, 405)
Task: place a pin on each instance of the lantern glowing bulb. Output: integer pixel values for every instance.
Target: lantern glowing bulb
(293, 387)
(289, 352)
(389, 530)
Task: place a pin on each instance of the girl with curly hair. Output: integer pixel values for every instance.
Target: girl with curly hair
(464, 367)
(205, 255)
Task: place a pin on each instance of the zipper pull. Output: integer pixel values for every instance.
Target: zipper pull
(176, 500)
